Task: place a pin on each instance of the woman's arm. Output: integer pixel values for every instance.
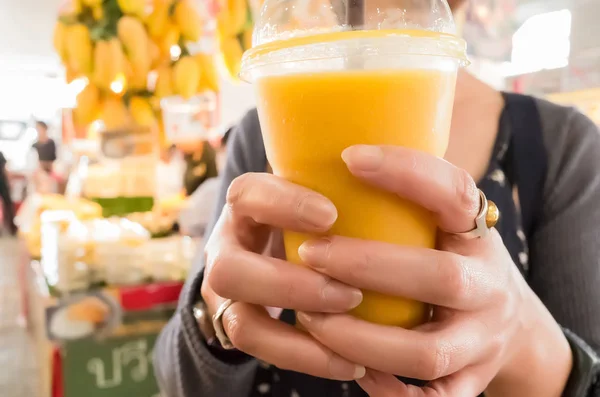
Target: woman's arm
(183, 364)
(564, 252)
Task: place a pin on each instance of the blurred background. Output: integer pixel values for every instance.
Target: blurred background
(101, 167)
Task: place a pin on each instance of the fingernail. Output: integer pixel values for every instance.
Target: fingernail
(342, 369)
(367, 378)
(363, 157)
(313, 252)
(341, 296)
(318, 211)
(304, 318)
(338, 297)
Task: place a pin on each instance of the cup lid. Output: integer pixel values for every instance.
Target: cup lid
(297, 23)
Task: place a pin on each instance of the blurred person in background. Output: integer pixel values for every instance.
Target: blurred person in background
(201, 164)
(516, 313)
(194, 218)
(8, 208)
(40, 162)
(45, 147)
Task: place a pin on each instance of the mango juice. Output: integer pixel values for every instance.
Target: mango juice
(308, 119)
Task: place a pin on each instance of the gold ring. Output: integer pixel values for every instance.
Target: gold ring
(493, 215)
(487, 218)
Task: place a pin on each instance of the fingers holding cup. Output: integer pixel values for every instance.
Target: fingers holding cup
(252, 331)
(449, 192)
(426, 275)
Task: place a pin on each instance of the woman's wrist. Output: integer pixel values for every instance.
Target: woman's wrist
(542, 361)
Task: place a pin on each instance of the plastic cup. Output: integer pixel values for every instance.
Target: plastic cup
(329, 75)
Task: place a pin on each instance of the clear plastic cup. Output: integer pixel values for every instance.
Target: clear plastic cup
(329, 74)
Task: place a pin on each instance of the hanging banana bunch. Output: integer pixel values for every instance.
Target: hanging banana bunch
(234, 30)
(120, 46)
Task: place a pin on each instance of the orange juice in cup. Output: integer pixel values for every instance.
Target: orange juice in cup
(321, 91)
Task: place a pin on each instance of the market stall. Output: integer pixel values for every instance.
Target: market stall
(105, 261)
(96, 301)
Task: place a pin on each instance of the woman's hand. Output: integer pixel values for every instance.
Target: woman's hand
(236, 269)
(488, 326)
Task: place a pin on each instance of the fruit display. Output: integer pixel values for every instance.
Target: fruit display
(131, 53)
(84, 254)
(235, 24)
(29, 217)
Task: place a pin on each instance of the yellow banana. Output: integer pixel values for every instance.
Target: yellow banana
(92, 3)
(71, 74)
(133, 7)
(88, 101)
(108, 62)
(170, 39)
(159, 19)
(60, 32)
(142, 112)
(135, 41)
(139, 79)
(133, 35)
(117, 58)
(101, 64)
(231, 51)
(98, 12)
(209, 79)
(155, 103)
(164, 82)
(114, 113)
(79, 48)
(162, 136)
(77, 6)
(186, 75)
(187, 19)
(154, 53)
(233, 17)
(247, 37)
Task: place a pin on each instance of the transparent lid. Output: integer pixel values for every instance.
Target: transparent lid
(383, 27)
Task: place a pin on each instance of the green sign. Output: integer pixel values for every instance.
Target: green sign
(115, 367)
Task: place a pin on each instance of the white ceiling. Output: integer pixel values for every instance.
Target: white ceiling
(26, 26)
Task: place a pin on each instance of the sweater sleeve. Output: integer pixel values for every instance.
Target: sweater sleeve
(565, 249)
(183, 364)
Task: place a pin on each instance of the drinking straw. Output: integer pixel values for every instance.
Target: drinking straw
(355, 13)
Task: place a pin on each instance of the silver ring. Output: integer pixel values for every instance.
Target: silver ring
(484, 221)
(217, 321)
